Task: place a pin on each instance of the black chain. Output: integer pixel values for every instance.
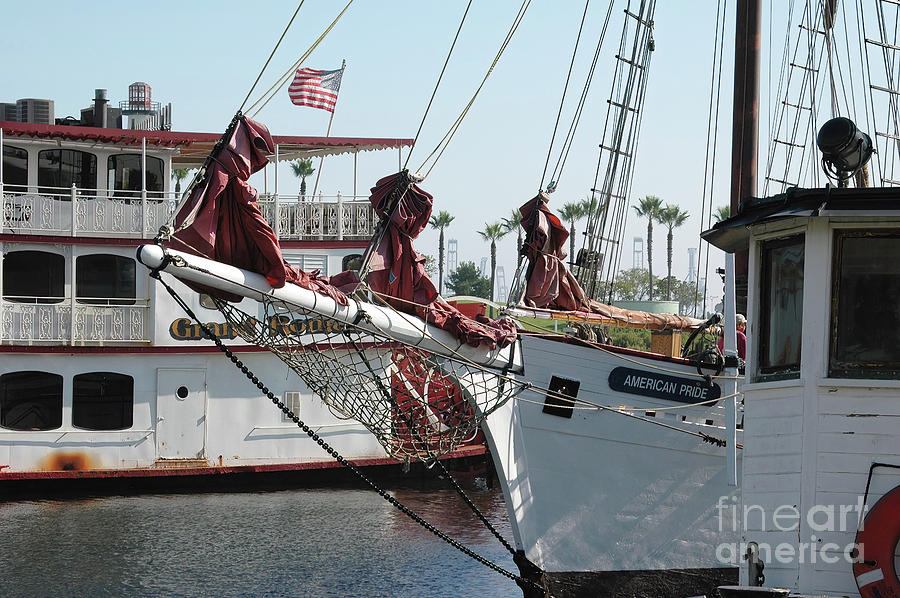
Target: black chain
(334, 454)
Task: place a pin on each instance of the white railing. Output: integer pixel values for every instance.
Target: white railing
(54, 323)
(334, 217)
(85, 212)
(91, 213)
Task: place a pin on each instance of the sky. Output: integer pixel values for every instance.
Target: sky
(203, 56)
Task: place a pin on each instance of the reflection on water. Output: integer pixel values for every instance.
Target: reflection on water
(320, 542)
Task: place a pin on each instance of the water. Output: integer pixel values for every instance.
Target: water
(310, 542)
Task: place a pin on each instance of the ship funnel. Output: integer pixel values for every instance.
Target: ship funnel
(845, 151)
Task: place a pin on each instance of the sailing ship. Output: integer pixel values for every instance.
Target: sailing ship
(104, 382)
(612, 461)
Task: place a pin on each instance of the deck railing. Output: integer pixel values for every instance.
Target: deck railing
(55, 320)
(91, 213)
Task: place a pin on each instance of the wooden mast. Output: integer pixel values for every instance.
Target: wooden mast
(745, 125)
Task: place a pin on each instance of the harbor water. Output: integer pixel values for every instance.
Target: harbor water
(300, 542)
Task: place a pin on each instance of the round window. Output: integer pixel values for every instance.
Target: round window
(182, 392)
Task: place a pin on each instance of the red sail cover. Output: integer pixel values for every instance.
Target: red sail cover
(550, 284)
(221, 218)
(397, 271)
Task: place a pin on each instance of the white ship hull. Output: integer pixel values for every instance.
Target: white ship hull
(600, 491)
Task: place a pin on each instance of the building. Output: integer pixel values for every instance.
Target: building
(28, 110)
(143, 113)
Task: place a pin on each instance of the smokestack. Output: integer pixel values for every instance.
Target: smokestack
(100, 108)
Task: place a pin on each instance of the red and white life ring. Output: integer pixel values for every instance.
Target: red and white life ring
(875, 571)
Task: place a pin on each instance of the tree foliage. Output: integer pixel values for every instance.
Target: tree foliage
(302, 169)
(466, 280)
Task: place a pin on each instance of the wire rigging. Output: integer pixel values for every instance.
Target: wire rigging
(562, 100)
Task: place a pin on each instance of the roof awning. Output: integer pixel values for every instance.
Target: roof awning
(733, 234)
(193, 148)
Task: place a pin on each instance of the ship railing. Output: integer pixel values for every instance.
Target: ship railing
(84, 321)
(321, 217)
(78, 212)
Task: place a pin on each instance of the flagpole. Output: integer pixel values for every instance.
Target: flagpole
(327, 134)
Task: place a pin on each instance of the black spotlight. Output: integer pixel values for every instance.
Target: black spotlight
(845, 149)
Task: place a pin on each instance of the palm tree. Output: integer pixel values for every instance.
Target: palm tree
(302, 169)
(672, 217)
(441, 221)
(493, 233)
(649, 207)
(722, 213)
(571, 212)
(514, 222)
(179, 174)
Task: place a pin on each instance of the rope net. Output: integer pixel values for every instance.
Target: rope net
(418, 405)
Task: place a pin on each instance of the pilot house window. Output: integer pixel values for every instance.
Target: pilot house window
(865, 313)
(781, 307)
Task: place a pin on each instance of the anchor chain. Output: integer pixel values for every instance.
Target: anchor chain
(521, 581)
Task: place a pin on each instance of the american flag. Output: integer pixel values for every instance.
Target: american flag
(316, 88)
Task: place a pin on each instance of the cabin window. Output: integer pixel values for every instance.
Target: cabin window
(59, 169)
(781, 308)
(124, 175)
(34, 277)
(865, 313)
(15, 169)
(102, 401)
(309, 263)
(31, 401)
(351, 262)
(103, 279)
(291, 401)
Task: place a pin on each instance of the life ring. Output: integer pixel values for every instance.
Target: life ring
(875, 570)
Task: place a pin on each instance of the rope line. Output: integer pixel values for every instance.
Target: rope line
(438, 151)
(278, 43)
(562, 99)
(279, 84)
(436, 85)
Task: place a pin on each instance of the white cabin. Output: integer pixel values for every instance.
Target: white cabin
(822, 390)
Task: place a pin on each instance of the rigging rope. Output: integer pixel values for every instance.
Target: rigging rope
(279, 84)
(562, 101)
(712, 141)
(438, 151)
(278, 43)
(436, 85)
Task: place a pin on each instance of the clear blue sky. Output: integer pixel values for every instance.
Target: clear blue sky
(203, 57)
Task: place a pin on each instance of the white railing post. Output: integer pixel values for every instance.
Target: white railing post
(340, 216)
(321, 216)
(143, 187)
(730, 348)
(73, 199)
(72, 278)
(276, 224)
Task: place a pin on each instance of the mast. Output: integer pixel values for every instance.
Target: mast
(745, 126)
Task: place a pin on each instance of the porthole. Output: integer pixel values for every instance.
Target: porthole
(182, 392)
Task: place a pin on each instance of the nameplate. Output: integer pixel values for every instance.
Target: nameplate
(662, 386)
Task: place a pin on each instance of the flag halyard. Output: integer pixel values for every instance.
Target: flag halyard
(316, 88)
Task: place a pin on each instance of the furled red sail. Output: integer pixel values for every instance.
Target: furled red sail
(221, 219)
(397, 270)
(551, 287)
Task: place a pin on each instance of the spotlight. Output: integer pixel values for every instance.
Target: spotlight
(845, 149)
